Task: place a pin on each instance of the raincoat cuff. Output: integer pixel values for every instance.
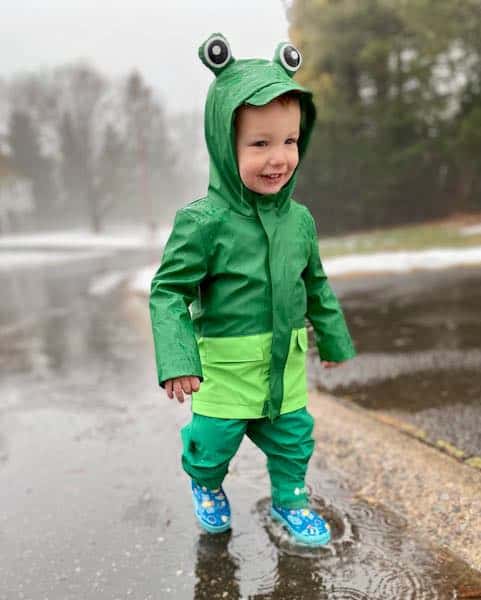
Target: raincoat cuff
(166, 375)
(336, 349)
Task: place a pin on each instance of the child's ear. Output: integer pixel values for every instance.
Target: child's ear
(289, 57)
(215, 53)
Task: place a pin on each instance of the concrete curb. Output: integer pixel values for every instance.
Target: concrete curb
(440, 496)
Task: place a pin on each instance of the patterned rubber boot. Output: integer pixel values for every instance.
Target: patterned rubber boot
(305, 526)
(211, 507)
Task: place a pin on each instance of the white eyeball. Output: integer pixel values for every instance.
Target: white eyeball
(217, 52)
(290, 57)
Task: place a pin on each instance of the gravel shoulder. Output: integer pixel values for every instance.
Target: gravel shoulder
(440, 497)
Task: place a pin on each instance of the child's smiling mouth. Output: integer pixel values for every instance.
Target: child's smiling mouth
(272, 177)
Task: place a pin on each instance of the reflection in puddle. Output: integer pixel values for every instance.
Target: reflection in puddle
(216, 568)
(370, 557)
(342, 532)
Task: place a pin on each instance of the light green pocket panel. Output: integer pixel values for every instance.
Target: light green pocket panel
(236, 375)
(234, 349)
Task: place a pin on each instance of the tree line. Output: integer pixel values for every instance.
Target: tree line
(97, 150)
(397, 87)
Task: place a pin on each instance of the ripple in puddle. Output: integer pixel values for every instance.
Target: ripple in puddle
(372, 556)
(343, 535)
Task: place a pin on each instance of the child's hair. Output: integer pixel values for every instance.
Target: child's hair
(288, 97)
(284, 99)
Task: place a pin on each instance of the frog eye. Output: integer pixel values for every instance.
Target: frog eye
(289, 57)
(215, 53)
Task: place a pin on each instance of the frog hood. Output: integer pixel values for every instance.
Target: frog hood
(255, 82)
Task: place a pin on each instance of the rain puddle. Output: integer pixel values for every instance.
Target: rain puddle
(370, 557)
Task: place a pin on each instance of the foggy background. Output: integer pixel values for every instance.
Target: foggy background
(101, 108)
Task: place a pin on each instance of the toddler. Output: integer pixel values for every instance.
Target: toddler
(245, 259)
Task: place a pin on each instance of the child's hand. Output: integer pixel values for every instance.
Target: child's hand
(177, 386)
(329, 364)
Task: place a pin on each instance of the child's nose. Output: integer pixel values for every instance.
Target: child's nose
(277, 156)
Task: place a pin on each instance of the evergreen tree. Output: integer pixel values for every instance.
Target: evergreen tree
(395, 133)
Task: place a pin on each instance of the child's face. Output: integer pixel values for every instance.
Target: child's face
(266, 143)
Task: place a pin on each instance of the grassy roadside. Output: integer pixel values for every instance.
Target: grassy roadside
(439, 234)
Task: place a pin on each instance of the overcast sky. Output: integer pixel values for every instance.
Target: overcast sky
(158, 37)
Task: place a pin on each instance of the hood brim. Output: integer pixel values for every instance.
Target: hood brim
(272, 90)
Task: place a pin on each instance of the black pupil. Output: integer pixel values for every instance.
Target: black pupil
(217, 52)
(291, 56)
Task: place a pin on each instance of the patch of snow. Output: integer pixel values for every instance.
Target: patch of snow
(140, 282)
(17, 260)
(102, 285)
(85, 239)
(397, 262)
(471, 230)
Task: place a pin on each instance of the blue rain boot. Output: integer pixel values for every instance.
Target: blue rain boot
(305, 526)
(212, 508)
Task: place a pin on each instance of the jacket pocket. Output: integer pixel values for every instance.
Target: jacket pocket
(236, 376)
(231, 349)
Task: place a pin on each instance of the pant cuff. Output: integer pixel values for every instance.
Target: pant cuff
(293, 496)
(209, 483)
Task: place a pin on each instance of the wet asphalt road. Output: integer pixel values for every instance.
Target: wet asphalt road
(94, 503)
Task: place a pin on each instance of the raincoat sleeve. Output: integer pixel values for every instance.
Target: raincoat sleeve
(174, 287)
(333, 340)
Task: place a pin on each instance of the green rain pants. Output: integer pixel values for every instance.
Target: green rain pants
(209, 443)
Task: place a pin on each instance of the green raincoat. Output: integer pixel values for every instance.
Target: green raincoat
(248, 267)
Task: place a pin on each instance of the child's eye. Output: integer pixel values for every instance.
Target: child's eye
(260, 143)
(291, 141)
